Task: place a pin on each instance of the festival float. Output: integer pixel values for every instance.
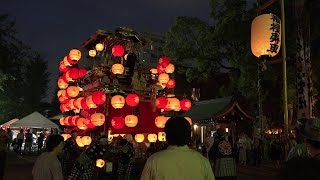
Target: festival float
(103, 88)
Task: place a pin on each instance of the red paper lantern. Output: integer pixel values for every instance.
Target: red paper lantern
(160, 69)
(81, 124)
(161, 102)
(62, 84)
(89, 124)
(98, 97)
(164, 61)
(66, 121)
(77, 103)
(132, 100)
(117, 122)
(72, 62)
(82, 72)
(84, 104)
(70, 104)
(63, 67)
(171, 83)
(117, 50)
(73, 120)
(73, 91)
(74, 73)
(185, 104)
(90, 102)
(63, 108)
(97, 119)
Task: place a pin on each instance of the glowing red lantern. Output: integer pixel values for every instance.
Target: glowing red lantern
(90, 102)
(65, 61)
(164, 61)
(82, 72)
(62, 84)
(97, 119)
(161, 102)
(77, 102)
(72, 62)
(160, 69)
(74, 73)
(171, 83)
(84, 104)
(73, 91)
(132, 100)
(70, 104)
(81, 124)
(117, 122)
(185, 104)
(98, 97)
(66, 120)
(63, 67)
(117, 50)
(63, 108)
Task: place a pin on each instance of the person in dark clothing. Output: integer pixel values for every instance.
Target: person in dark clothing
(84, 165)
(40, 142)
(221, 154)
(126, 159)
(71, 152)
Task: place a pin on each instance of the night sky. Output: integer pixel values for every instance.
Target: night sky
(53, 27)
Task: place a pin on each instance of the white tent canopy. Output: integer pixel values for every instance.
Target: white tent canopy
(10, 122)
(34, 120)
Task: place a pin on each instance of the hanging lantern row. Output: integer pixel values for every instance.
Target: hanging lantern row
(173, 104)
(69, 76)
(96, 119)
(117, 50)
(139, 138)
(119, 101)
(70, 102)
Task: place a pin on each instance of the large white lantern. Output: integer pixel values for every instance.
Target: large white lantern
(266, 35)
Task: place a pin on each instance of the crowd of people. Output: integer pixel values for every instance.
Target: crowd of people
(177, 158)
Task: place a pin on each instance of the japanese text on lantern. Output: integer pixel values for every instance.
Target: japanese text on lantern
(275, 35)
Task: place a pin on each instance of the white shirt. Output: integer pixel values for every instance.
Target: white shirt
(175, 163)
(47, 167)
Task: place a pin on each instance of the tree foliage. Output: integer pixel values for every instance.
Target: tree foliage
(226, 47)
(23, 75)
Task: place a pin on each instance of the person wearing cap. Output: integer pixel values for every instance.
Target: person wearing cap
(84, 165)
(47, 165)
(306, 168)
(178, 161)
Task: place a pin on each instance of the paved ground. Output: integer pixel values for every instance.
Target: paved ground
(20, 167)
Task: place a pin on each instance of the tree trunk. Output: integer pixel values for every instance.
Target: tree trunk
(303, 61)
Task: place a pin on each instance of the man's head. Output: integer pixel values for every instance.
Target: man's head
(178, 131)
(74, 134)
(55, 144)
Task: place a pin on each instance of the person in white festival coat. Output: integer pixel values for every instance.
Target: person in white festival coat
(178, 161)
